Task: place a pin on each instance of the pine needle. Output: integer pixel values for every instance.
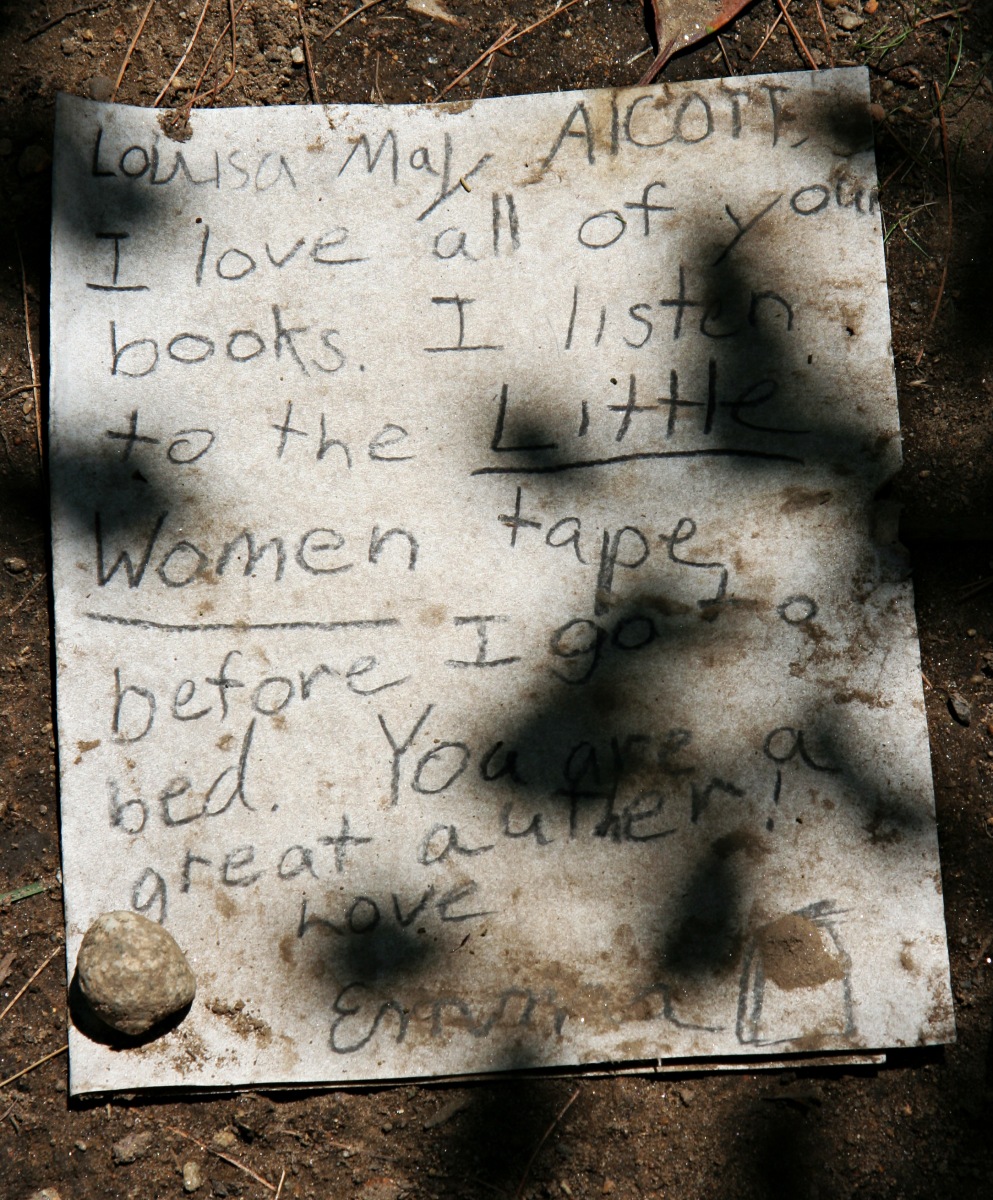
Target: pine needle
(44, 1059)
(54, 954)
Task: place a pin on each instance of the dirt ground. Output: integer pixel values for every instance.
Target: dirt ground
(917, 1126)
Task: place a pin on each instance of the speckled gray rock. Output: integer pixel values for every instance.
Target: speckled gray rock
(132, 972)
(132, 1147)
(192, 1176)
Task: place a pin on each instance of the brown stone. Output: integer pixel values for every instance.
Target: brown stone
(132, 972)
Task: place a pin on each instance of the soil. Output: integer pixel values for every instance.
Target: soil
(916, 1126)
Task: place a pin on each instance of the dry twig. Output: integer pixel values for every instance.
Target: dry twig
(356, 13)
(547, 1134)
(232, 26)
(25, 387)
(27, 334)
(829, 49)
(179, 66)
(130, 50)
(44, 1059)
(502, 42)
(73, 12)
(351, 1147)
(950, 228)
(282, 1180)
(492, 59)
(315, 94)
(488, 53)
(952, 12)
(974, 589)
(801, 44)
(27, 595)
(770, 31)
(376, 93)
(210, 58)
(220, 1154)
(54, 954)
(234, 42)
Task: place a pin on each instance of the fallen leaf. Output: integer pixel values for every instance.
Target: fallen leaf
(682, 23)
(432, 8)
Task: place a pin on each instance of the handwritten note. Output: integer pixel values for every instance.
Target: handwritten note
(479, 643)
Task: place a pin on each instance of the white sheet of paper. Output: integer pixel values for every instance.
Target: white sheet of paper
(477, 641)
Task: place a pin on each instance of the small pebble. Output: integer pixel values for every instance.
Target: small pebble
(192, 1176)
(848, 21)
(970, 633)
(959, 707)
(686, 1095)
(16, 566)
(69, 46)
(132, 1147)
(132, 973)
(296, 56)
(224, 1139)
(101, 88)
(45, 1194)
(877, 112)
